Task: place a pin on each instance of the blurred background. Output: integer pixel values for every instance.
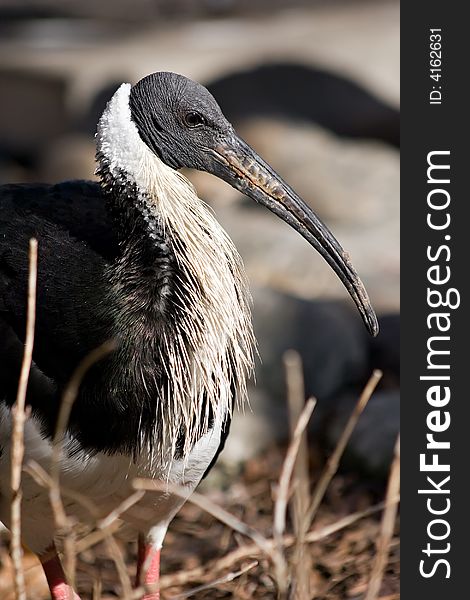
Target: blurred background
(313, 86)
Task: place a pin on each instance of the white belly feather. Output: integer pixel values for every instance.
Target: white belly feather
(105, 480)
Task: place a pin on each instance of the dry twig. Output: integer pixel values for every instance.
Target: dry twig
(386, 529)
(19, 417)
(301, 561)
(254, 551)
(280, 506)
(221, 580)
(95, 537)
(333, 462)
(208, 506)
(118, 559)
(115, 514)
(63, 522)
(42, 478)
(66, 406)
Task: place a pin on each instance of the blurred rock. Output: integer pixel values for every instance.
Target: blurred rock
(385, 349)
(307, 94)
(346, 181)
(11, 171)
(328, 337)
(33, 110)
(254, 428)
(144, 10)
(70, 157)
(338, 359)
(370, 449)
(358, 40)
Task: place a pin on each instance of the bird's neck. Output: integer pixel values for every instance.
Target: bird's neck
(204, 326)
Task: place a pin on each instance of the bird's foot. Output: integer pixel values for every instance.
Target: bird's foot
(148, 568)
(63, 591)
(60, 589)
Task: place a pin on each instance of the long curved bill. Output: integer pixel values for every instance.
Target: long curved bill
(238, 164)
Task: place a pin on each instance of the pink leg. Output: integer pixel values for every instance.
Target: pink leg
(60, 589)
(148, 559)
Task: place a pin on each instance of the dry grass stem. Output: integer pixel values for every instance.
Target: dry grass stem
(208, 506)
(228, 561)
(42, 478)
(63, 522)
(301, 562)
(118, 559)
(97, 588)
(386, 529)
(333, 462)
(220, 581)
(95, 537)
(70, 555)
(115, 514)
(19, 417)
(108, 527)
(66, 406)
(254, 551)
(315, 536)
(51, 480)
(288, 467)
(280, 507)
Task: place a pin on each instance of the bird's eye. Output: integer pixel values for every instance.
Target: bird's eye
(194, 119)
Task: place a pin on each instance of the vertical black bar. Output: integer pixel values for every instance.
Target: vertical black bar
(428, 128)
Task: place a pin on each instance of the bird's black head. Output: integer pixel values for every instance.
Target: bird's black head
(178, 119)
(181, 122)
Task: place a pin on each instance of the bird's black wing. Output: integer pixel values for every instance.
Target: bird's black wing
(75, 245)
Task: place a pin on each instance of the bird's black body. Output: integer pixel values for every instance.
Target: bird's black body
(82, 254)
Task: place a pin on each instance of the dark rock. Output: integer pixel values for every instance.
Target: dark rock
(338, 358)
(328, 336)
(308, 94)
(370, 449)
(385, 348)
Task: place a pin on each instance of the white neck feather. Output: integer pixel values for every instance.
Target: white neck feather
(217, 320)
